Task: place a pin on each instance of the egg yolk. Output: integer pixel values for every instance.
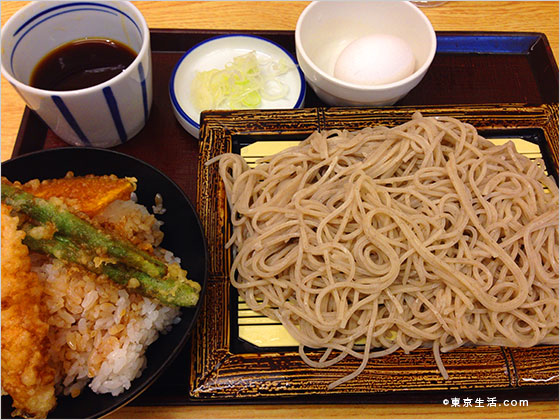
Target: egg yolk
(375, 60)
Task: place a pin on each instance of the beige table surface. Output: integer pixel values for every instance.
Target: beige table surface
(461, 15)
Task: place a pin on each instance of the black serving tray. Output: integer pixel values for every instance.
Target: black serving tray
(469, 68)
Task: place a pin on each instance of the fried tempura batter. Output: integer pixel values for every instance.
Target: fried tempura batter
(89, 194)
(26, 375)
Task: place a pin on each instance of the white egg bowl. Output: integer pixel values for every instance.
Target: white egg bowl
(325, 28)
(215, 53)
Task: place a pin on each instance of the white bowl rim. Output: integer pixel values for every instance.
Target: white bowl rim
(69, 93)
(355, 86)
(173, 97)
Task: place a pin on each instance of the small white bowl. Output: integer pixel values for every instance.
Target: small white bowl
(215, 53)
(325, 28)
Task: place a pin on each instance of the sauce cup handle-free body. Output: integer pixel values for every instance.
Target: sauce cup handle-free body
(103, 115)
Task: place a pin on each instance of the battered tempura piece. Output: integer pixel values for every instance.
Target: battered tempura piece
(89, 194)
(26, 374)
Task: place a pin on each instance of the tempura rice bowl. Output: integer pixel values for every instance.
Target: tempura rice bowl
(130, 367)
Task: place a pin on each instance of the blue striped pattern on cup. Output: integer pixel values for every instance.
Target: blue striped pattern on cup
(104, 115)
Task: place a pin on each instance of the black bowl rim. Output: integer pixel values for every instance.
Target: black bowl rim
(144, 382)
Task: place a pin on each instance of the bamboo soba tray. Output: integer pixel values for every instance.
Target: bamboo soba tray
(238, 357)
(244, 355)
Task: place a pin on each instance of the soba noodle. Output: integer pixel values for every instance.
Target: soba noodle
(425, 234)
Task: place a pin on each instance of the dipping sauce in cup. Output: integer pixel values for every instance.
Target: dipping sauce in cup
(102, 110)
(81, 64)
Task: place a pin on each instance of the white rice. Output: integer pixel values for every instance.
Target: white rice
(99, 332)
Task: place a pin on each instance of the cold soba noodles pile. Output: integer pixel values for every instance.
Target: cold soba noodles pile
(424, 234)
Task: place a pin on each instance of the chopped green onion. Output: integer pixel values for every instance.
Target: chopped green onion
(243, 83)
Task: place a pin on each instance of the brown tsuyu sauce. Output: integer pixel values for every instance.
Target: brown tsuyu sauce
(80, 64)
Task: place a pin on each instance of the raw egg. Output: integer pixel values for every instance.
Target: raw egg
(375, 60)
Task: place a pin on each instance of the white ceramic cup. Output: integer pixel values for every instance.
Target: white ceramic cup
(103, 115)
(325, 28)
